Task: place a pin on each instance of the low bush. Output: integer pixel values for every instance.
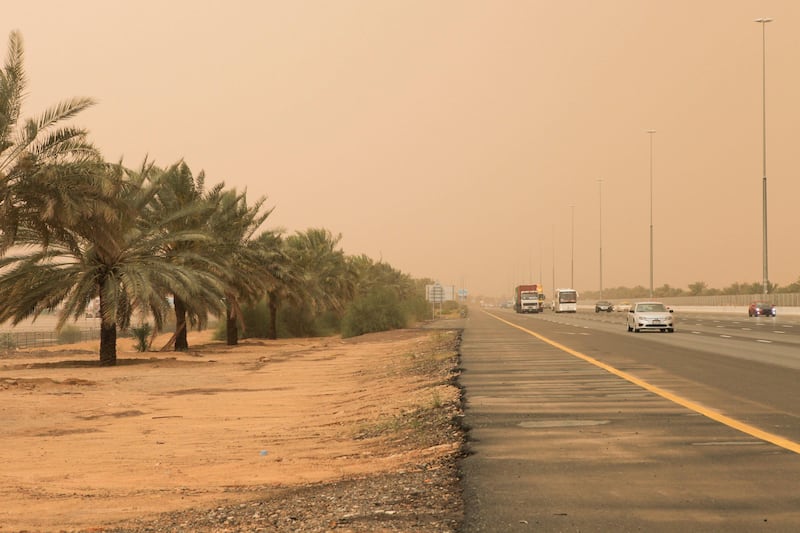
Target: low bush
(380, 310)
(69, 335)
(141, 335)
(7, 341)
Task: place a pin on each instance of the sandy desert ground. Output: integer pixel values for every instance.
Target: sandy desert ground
(84, 446)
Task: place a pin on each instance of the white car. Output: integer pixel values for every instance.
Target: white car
(650, 315)
(622, 307)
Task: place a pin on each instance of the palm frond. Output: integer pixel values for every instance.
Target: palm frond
(12, 87)
(62, 111)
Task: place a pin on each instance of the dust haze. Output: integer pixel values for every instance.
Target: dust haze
(481, 144)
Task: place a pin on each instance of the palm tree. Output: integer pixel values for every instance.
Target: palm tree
(247, 275)
(42, 162)
(286, 280)
(329, 282)
(114, 254)
(371, 275)
(181, 192)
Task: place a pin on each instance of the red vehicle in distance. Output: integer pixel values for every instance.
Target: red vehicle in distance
(762, 309)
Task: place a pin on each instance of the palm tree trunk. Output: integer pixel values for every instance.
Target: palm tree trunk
(231, 327)
(181, 340)
(108, 339)
(272, 302)
(108, 344)
(108, 333)
(232, 333)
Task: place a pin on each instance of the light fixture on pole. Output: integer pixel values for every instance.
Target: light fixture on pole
(763, 21)
(651, 132)
(600, 187)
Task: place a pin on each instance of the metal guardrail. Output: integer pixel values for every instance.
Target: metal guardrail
(778, 299)
(721, 300)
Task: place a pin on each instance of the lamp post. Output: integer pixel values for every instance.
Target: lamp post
(763, 21)
(650, 133)
(572, 251)
(541, 260)
(600, 187)
(553, 226)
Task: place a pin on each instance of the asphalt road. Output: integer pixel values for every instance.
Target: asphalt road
(577, 425)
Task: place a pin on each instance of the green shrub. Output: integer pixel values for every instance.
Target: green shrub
(326, 324)
(298, 321)
(417, 308)
(450, 306)
(141, 335)
(256, 323)
(69, 335)
(7, 341)
(380, 310)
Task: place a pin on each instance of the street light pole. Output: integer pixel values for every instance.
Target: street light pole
(763, 21)
(651, 132)
(572, 256)
(600, 187)
(553, 226)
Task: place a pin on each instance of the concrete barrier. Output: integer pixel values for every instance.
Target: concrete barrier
(725, 309)
(732, 309)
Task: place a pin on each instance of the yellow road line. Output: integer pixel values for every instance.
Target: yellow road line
(689, 404)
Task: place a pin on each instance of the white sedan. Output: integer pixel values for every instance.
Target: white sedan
(622, 307)
(650, 315)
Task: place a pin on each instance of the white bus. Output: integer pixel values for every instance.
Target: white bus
(565, 301)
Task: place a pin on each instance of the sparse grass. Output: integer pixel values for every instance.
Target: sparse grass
(436, 401)
(433, 419)
(438, 357)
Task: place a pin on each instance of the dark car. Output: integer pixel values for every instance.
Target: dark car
(762, 309)
(603, 305)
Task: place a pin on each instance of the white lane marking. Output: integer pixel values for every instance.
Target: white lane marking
(725, 336)
(764, 341)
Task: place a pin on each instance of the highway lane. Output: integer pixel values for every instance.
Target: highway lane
(563, 444)
(765, 339)
(731, 373)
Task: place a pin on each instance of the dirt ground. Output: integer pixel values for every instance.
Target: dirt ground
(196, 436)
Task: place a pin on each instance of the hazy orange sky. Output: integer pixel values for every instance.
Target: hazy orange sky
(450, 138)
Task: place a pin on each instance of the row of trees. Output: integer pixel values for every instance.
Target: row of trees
(698, 288)
(152, 242)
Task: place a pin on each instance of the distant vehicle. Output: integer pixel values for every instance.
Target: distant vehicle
(622, 307)
(565, 301)
(527, 298)
(650, 315)
(603, 305)
(762, 309)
